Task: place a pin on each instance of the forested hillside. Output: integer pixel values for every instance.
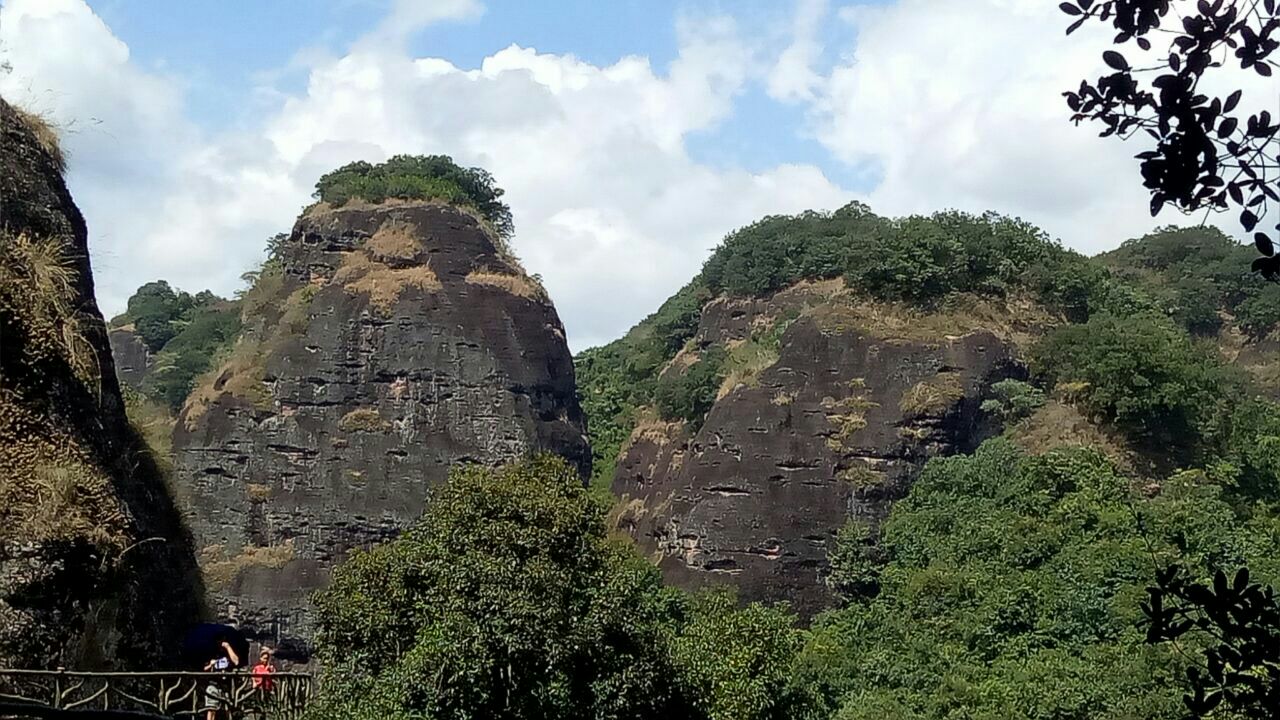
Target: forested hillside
(1009, 582)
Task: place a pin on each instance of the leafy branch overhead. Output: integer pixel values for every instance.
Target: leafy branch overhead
(1208, 153)
(1238, 624)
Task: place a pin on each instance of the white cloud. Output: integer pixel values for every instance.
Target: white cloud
(959, 105)
(609, 208)
(793, 77)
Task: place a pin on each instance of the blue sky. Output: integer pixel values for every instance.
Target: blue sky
(222, 51)
(630, 135)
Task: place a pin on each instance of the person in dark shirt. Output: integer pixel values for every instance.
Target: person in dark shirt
(215, 697)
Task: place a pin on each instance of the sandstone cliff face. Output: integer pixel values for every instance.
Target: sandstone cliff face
(95, 566)
(132, 358)
(390, 343)
(835, 427)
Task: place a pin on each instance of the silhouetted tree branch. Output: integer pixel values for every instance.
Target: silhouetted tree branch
(1207, 153)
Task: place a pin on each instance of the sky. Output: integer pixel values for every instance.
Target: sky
(631, 136)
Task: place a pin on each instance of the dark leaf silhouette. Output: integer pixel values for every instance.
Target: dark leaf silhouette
(1203, 152)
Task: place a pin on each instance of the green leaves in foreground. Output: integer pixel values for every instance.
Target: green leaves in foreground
(508, 600)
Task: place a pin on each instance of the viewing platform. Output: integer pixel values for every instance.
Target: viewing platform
(68, 693)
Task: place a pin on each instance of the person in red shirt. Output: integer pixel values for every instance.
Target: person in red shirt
(263, 670)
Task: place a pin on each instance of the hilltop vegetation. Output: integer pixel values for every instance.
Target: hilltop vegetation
(925, 262)
(1200, 278)
(185, 333)
(415, 177)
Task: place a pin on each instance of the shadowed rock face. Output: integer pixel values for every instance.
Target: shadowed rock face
(401, 342)
(836, 428)
(96, 568)
(132, 358)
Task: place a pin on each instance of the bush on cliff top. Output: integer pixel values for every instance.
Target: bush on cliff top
(412, 177)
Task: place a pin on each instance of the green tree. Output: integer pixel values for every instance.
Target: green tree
(507, 600)
(688, 393)
(1010, 586)
(1142, 373)
(419, 176)
(737, 662)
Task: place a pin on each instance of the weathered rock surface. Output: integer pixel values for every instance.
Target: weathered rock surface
(400, 341)
(132, 358)
(95, 566)
(836, 428)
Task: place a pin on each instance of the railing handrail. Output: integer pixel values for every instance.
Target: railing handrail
(148, 673)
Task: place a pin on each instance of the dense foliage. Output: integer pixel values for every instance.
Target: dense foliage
(419, 177)
(1010, 585)
(1140, 372)
(918, 259)
(509, 600)
(184, 332)
(1194, 275)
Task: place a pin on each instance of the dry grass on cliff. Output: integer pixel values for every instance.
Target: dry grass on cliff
(653, 429)
(220, 571)
(1060, 425)
(46, 136)
(746, 360)
(38, 284)
(395, 240)
(383, 285)
(503, 248)
(243, 375)
(1017, 319)
(515, 284)
(363, 420)
(49, 489)
(862, 477)
(847, 415)
(932, 397)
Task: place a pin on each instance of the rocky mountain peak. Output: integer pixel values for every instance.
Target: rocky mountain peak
(382, 344)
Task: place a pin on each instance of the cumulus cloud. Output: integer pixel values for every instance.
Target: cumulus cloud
(959, 105)
(609, 207)
(793, 77)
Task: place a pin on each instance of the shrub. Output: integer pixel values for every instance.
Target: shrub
(418, 177)
(855, 561)
(1012, 400)
(1141, 373)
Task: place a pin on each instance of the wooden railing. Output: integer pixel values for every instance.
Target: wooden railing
(184, 695)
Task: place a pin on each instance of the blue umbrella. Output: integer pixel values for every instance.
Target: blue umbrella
(204, 643)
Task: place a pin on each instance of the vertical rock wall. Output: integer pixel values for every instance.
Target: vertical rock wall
(835, 428)
(392, 342)
(96, 568)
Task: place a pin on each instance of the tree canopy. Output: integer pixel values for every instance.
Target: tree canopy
(184, 332)
(419, 177)
(510, 600)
